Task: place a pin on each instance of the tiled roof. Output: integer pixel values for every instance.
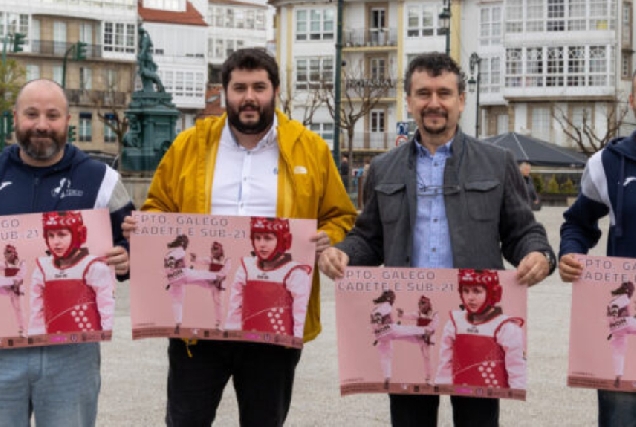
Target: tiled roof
(238, 3)
(213, 101)
(190, 17)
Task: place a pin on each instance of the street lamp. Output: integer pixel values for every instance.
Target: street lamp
(473, 83)
(444, 23)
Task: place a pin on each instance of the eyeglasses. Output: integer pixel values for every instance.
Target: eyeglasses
(436, 190)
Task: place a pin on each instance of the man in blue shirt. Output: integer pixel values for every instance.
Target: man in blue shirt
(443, 200)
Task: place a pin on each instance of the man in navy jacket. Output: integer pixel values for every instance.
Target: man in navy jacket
(608, 187)
(60, 384)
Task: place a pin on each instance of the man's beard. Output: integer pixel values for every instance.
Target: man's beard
(265, 118)
(435, 131)
(40, 151)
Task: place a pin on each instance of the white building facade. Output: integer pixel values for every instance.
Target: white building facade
(179, 35)
(539, 59)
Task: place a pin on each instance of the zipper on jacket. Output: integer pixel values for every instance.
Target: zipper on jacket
(36, 183)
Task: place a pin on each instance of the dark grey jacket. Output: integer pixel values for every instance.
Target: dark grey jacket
(487, 212)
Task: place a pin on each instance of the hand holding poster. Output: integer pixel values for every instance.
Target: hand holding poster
(602, 323)
(55, 286)
(220, 277)
(425, 331)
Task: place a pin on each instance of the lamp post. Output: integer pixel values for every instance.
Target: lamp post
(337, 86)
(444, 23)
(473, 83)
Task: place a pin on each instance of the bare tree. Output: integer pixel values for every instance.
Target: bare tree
(309, 100)
(588, 137)
(362, 93)
(109, 114)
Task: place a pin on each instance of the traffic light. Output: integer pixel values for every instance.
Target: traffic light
(71, 134)
(18, 40)
(80, 51)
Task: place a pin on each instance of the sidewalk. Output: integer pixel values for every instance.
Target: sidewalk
(134, 373)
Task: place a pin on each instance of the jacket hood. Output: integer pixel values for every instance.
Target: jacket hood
(72, 157)
(624, 146)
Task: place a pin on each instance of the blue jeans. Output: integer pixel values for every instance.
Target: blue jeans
(616, 409)
(59, 385)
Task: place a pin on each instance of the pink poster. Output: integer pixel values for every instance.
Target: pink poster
(55, 287)
(221, 277)
(431, 331)
(602, 325)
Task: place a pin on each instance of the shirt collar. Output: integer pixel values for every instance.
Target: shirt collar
(269, 139)
(422, 151)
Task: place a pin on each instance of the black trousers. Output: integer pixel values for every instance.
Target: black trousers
(421, 411)
(262, 374)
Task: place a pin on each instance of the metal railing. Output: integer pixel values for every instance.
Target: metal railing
(370, 37)
(55, 48)
(93, 97)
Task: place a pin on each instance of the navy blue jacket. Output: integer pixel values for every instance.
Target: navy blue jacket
(608, 187)
(76, 182)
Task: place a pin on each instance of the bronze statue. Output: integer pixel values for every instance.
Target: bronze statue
(147, 67)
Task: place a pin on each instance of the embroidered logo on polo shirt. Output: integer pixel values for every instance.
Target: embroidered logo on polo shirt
(64, 190)
(300, 170)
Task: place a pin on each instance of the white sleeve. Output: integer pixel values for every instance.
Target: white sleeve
(432, 327)
(235, 305)
(102, 279)
(510, 338)
(299, 285)
(445, 365)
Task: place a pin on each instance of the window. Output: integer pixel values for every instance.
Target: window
(626, 25)
(86, 79)
(502, 124)
(325, 130)
(534, 67)
(581, 114)
(110, 79)
(86, 33)
(32, 72)
(490, 26)
(535, 17)
(626, 65)
(514, 67)
(59, 37)
(109, 134)
(57, 74)
(377, 121)
(119, 37)
(313, 72)
(14, 23)
(85, 131)
(378, 68)
(540, 122)
(556, 15)
(490, 75)
(514, 16)
(560, 66)
(315, 24)
(422, 21)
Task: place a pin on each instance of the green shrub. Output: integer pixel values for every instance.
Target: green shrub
(538, 183)
(568, 187)
(553, 185)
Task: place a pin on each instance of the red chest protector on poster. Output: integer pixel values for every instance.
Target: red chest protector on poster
(11, 271)
(423, 321)
(477, 358)
(214, 266)
(70, 305)
(267, 304)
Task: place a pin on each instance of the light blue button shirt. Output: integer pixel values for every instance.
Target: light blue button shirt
(431, 239)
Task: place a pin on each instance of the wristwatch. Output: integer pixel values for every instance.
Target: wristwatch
(551, 260)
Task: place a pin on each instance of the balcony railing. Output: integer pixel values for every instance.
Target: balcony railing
(374, 88)
(371, 37)
(372, 141)
(54, 48)
(96, 97)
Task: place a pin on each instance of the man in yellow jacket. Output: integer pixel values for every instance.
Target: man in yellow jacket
(252, 161)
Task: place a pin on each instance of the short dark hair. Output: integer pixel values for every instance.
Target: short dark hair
(250, 59)
(434, 63)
